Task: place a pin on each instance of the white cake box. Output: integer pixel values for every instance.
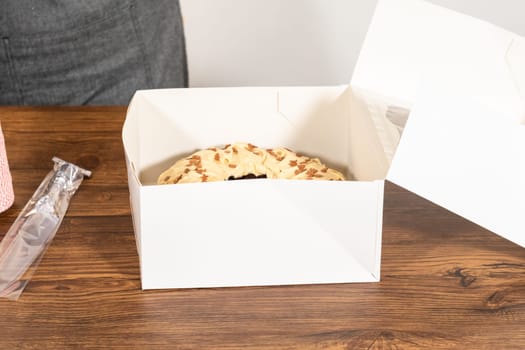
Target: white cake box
(463, 149)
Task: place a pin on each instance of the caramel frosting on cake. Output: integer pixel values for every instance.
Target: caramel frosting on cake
(244, 160)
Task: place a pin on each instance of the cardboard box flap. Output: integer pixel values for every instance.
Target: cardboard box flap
(464, 157)
(411, 41)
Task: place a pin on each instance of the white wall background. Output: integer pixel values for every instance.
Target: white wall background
(296, 42)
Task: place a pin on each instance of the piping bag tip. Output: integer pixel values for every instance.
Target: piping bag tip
(86, 173)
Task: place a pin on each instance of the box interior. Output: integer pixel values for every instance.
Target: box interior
(350, 130)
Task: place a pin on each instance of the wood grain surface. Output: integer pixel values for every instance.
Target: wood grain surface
(446, 283)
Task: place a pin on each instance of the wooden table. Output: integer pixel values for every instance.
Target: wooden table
(446, 283)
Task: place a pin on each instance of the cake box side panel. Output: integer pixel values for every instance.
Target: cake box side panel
(131, 143)
(258, 232)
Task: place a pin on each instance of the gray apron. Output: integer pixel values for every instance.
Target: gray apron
(88, 52)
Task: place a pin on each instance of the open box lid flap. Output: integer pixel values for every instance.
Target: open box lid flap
(410, 41)
(455, 153)
(464, 143)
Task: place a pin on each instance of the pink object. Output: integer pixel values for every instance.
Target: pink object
(6, 186)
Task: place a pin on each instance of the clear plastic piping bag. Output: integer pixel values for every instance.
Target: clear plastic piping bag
(33, 230)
